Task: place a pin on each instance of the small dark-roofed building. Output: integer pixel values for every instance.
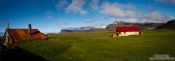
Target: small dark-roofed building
(16, 35)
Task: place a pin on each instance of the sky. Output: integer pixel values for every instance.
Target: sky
(53, 15)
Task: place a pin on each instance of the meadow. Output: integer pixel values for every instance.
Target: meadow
(99, 46)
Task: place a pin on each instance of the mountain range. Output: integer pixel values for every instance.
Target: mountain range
(111, 27)
(169, 25)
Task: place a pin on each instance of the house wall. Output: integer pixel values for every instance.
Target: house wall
(8, 40)
(128, 33)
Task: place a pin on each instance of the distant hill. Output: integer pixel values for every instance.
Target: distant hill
(111, 27)
(169, 25)
(100, 27)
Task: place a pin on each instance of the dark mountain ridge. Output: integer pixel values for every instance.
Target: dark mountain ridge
(111, 27)
(169, 25)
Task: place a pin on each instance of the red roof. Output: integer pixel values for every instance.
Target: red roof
(22, 34)
(127, 29)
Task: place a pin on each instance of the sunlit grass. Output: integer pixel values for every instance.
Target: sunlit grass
(99, 46)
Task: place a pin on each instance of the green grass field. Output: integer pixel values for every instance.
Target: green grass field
(99, 46)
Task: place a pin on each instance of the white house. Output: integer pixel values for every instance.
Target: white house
(128, 30)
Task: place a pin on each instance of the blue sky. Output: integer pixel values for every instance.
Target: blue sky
(53, 15)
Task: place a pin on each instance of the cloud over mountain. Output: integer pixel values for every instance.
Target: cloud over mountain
(123, 12)
(154, 16)
(118, 10)
(88, 20)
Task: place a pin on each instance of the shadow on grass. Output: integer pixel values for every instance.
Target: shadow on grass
(19, 54)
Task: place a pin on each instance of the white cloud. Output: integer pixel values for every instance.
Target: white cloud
(118, 10)
(94, 4)
(61, 4)
(48, 14)
(88, 20)
(167, 1)
(129, 20)
(127, 12)
(151, 17)
(113, 10)
(62, 23)
(172, 18)
(130, 13)
(76, 6)
(154, 16)
(100, 26)
(49, 17)
(132, 20)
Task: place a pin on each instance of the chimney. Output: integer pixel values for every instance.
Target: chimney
(29, 29)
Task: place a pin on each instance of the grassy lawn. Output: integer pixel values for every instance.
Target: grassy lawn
(99, 46)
